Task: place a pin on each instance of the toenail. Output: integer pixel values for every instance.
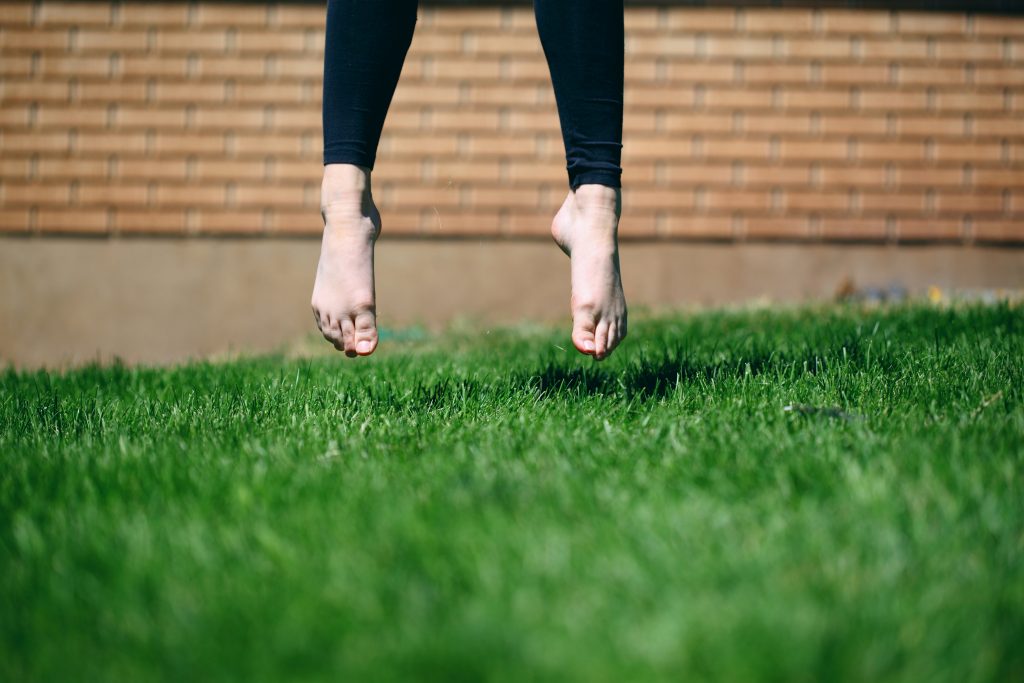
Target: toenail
(363, 347)
(588, 346)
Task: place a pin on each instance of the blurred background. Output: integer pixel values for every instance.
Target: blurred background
(159, 178)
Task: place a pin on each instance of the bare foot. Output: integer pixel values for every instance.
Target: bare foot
(586, 228)
(344, 301)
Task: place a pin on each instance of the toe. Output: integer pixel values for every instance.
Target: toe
(333, 335)
(348, 337)
(601, 340)
(365, 333)
(583, 328)
(324, 323)
(613, 336)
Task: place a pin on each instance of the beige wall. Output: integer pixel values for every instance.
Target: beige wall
(66, 300)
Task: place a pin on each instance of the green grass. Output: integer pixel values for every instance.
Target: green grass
(507, 510)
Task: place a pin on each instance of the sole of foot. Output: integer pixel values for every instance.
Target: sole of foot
(586, 229)
(344, 297)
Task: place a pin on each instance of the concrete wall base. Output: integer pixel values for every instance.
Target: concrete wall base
(69, 301)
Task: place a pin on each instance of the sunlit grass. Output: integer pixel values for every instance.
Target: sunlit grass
(829, 494)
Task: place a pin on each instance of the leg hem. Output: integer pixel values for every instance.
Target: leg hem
(606, 178)
(348, 159)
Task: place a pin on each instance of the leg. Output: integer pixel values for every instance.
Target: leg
(583, 43)
(365, 48)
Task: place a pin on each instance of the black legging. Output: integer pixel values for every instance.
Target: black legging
(583, 41)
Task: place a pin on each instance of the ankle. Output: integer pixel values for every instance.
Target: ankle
(347, 177)
(345, 184)
(599, 198)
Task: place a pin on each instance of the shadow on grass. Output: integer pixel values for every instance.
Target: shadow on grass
(647, 376)
(642, 378)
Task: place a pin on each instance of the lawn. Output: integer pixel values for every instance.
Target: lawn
(822, 494)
